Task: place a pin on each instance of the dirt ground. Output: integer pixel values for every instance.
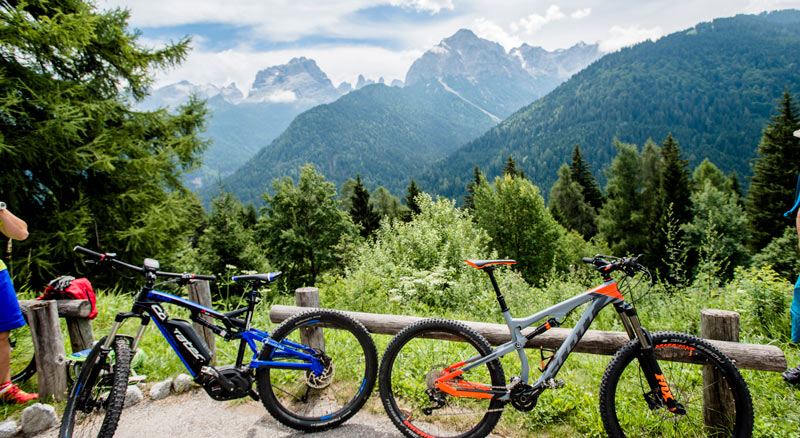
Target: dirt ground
(194, 414)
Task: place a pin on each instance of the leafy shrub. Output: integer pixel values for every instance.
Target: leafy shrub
(782, 254)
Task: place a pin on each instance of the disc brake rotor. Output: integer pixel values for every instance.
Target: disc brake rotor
(324, 379)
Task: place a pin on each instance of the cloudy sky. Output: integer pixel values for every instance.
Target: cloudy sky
(234, 39)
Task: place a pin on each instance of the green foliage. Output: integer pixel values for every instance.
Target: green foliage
(301, 226)
(782, 254)
(229, 240)
(583, 176)
(385, 133)
(477, 178)
(388, 205)
(707, 85)
(512, 212)
(775, 173)
(621, 221)
(361, 211)
(569, 206)
(707, 171)
(676, 184)
(767, 301)
(673, 192)
(412, 192)
(76, 162)
(510, 168)
(718, 230)
(416, 265)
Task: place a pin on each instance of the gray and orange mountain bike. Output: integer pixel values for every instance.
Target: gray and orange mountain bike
(654, 385)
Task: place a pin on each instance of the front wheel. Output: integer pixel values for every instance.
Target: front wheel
(698, 376)
(314, 401)
(98, 395)
(420, 398)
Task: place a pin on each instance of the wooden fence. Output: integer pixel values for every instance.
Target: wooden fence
(48, 343)
(719, 327)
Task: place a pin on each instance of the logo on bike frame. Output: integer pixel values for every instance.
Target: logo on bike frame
(186, 343)
(159, 311)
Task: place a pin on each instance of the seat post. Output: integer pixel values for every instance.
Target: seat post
(500, 299)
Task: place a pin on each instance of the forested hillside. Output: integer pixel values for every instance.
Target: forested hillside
(384, 133)
(712, 86)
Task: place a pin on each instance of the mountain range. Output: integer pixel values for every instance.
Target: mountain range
(713, 87)
(454, 92)
(240, 125)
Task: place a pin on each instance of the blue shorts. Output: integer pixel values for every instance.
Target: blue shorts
(10, 314)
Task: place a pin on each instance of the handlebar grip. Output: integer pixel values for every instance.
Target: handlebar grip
(587, 260)
(86, 251)
(205, 277)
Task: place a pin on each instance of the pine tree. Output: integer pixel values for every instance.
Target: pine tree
(411, 200)
(301, 225)
(477, 178)
(583, 176)
(775, 174)
(229, 238)
(621, 222)
(676, 182)
(569, 207)
(361, 210)
(510, 168)
(77, 162)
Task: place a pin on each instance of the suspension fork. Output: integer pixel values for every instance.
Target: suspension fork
(647, 360)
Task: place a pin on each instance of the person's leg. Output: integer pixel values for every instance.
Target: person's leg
(792, 375)
(795, 313)
(10, 318)
(5, 358)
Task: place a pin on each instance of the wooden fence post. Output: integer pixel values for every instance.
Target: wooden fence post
(200, 293)
(48, 345)
(309, 297)
(718, 405)
(81, 335)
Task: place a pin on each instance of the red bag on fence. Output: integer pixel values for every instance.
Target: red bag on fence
(70, 288)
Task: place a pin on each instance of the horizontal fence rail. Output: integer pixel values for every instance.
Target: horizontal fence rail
(747, 356)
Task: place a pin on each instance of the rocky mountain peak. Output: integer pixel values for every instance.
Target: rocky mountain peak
(465, 55)
(560, 63)
(299, 79)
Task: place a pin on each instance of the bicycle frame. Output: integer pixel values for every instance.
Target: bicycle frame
(192, 350)
(598, 298)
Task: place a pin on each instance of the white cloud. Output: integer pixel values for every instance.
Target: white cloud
(534, 22)
(581, 13)
(433, 6)
(341, 64)
(283, 96)
(626, 36)
(491, 31)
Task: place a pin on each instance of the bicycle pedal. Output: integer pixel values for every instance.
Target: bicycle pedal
(554, 383)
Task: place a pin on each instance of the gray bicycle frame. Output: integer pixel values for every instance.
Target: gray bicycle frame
(559, 311)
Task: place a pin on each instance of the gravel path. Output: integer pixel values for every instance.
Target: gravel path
(194, 414)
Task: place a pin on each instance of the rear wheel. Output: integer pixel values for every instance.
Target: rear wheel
(309, 401)
(415, 358)
(628, 408)
(98, 395)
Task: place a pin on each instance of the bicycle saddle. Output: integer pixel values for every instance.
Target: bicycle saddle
(480, 264)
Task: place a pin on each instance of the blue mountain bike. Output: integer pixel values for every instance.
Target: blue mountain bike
(307, 377)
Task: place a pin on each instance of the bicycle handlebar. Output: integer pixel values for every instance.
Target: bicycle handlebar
(629, 265)
(111, 257)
